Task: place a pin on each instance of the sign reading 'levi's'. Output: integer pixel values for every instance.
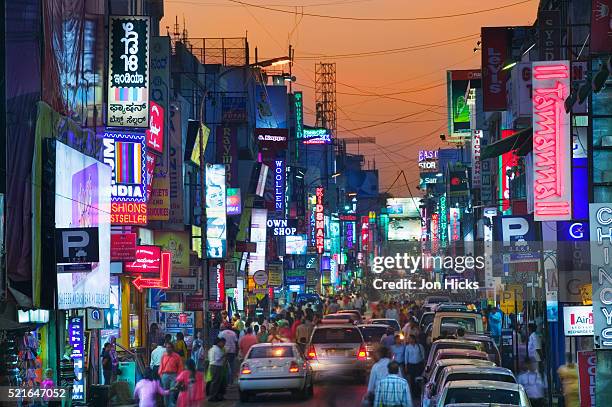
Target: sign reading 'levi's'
(551, 141)
(128, 73)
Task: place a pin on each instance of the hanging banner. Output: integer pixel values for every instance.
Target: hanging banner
(125, 153)
(128, 71)
(175, 169)
(160, 77)
(216, 222)
(494, 51)
(600, 222)
(587, 369)
(552, 168)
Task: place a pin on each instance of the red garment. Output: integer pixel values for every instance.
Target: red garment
(192, 394)
(285, 332)
(246, 342)
(296, 323)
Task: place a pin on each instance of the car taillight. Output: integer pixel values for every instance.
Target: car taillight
(293, 367)
(311, 354)
(362, 354)
(245, 369)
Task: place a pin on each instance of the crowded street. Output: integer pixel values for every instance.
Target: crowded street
(322, 203)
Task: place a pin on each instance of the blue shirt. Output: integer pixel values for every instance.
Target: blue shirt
(398, 352)
(379, 371)
(387, 340)
(392, 391)
(414, 353)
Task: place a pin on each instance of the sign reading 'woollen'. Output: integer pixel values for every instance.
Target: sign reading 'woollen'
(600, 220)
(279, 185)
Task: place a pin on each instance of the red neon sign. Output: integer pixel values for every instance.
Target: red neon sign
(147, 260)
(551, 141)
(435, 237)
(155, 133)
(507, 161)
(163, 282)
(365, 233)
(319, 222)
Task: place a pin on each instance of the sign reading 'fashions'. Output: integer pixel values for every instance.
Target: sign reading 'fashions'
(128, 72)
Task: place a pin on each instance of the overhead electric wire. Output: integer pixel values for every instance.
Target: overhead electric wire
(387, 19)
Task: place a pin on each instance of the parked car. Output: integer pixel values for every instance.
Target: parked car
(467, 372)
(438, 369)
(355, 313)
(426, 319)
(309, 298)
(387, 321)
(350, 318)
(338, 349)
(436, 299)
(441, 344)
(455, 354)
(488, 345)
(278, 367)
(453, 307)
(447, 323)
(372, 334)
(483, 391)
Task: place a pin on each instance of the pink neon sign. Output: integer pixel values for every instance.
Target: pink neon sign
(551, 141)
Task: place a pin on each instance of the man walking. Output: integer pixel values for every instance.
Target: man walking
(378, 372)
(231, 348)
(216, 357)
(393, 391)
(156, 357)
(170, 365)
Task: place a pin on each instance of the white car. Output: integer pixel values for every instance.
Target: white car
(483, 391)
(278, 367)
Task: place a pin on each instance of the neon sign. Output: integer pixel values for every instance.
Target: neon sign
(279, 185)
(443, 220)
(434, 227)
(476, 137)
(165, 271)
(428, 155)
(155, 132)
(365, 233)
(551, 141)
(454, 224)
(319, 222)
(148, 260)
(506, 162)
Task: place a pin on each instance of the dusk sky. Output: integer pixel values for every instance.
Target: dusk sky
(413, 80)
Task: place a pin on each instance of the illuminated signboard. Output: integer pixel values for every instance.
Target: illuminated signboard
(600, 222)
(126, 154)
(296, 244)
(319, 222)
(165, 274)
(443, 219)
(155, 132)
(257, 260)
(148, 260)
(279, 185)
(428, 155)
(234, 204)
(476, 138)
(455, 225)
(403, 207)
(216, 286)
(299, 114)
(282, 227)
(128, 71)
(215, 211)
(428, 165)
(404, 229)
(365, 233)
(507, 162)
(349, 234)
(551, 141)
(316, 136)
(76, 338)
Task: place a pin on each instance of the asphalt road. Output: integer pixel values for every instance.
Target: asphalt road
(328, 392)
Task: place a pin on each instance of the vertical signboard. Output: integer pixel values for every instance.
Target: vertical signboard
(494, 52)
(279, 185)
(216, 285)
(365, 234)
(600, 221)
(160, 75)
(215, 211)
(156, 131)
(506, 163)
(319, 221)
(76, 338)
(175, 168)
(257, 260)
(455, 225)
(227, 152)
(476, 138)
(461, 84)
(443, 219)
(128, 71)
(125, 153)
(587, 368)
(551, 141)
(299, 115)
(549, 27)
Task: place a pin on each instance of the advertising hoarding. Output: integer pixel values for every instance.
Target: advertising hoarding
(176, 243)
(319, 221)
(83, 199)
(128, 71)
(551, 141)
(160, 77)
(404, 229)
(257, 260)
(494, 51)
(578, 321)
(403, 207)
(271, 104)
(234, 201)
(296, 244)
(125, 153)
(600, 222)
(462, 85)
(216, 223)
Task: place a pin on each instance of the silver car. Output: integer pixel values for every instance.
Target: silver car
(483, 391)
(338, 349)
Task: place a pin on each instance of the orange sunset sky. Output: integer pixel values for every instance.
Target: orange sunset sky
(412, 81)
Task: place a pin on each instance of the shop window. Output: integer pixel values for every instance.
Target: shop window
(602, 166)
(602, 194)
(602, 132)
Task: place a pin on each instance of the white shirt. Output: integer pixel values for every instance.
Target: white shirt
(533, 383)
(392, 313)
(358, 303)
(156, 356)
(532, 346)
(215, 355)
(231, 340)
(379, 371)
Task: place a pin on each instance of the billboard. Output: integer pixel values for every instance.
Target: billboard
(83, 200)
(257, 260)
(600, 222)
(319, 221)
(506, 162)
(404, 229)
(128, 71)
(494, 52)
(234, 201)
(551, 141)
(176, 243)
(216, 222)
(160, 77)
(125, 153)
(404, 207)
(271, 104)
(296, 244)
(462, 85)
(578, 321)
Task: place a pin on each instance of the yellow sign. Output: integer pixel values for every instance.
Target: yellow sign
(178, 244)
(586, 293)
(158, 207)
(511, 301)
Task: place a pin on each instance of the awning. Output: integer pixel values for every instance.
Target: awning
(516, 141)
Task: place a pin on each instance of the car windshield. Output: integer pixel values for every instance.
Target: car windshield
(477, 395)
(266, 352)
(373, 333)
(480, 376)
(389, 322)
(336, 335)
(452, 323)
(427, 319)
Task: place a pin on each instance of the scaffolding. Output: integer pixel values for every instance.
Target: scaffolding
(221, 51)
(325, 93)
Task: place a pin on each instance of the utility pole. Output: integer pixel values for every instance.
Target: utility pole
(204, 259)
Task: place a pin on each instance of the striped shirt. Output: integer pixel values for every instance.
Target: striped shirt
(392, 391)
